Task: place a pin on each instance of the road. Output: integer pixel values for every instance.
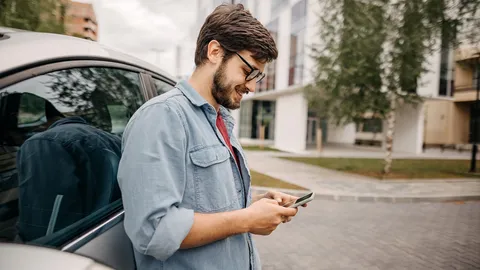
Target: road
(354, 235)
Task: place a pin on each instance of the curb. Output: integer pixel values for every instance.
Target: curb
(295, 192)
(369, 198)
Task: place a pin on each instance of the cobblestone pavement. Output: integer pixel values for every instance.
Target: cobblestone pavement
(356, 235)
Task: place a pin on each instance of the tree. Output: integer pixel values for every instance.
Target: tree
(373, 53)
(34, 15)
(87, 92)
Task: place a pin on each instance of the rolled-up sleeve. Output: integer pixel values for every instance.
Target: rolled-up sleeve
(152, 179)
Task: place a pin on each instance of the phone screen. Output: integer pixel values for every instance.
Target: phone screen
(304, 197)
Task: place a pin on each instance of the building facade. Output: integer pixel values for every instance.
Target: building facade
(80, 20)
(450, 122)
(278, 113)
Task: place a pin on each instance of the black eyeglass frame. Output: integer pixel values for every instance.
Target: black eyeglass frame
(254, 73)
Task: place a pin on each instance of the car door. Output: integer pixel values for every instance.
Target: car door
(160, 85)
(105, 95)
(97, 242)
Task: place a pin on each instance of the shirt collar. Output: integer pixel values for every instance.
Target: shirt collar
(196, 99)
(191, 94)
(68, 120)
(227, 117)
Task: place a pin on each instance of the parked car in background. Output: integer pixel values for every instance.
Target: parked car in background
(42, 73)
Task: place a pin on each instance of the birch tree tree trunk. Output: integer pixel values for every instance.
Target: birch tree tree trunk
(389, 136)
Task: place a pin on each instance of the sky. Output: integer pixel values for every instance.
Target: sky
(144, 28)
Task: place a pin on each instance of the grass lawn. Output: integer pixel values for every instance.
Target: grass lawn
(401, 169)
(257, 148)
(262, 180)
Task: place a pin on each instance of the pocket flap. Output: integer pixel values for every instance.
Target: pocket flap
(209, 156)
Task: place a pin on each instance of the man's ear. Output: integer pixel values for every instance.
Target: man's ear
(215, 52)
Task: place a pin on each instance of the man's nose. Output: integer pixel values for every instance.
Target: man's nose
(251, 85)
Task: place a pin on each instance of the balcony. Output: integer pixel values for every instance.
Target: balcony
(463, 88)
(91, 25)
(89, 29)
(465, 93)
(468, 54)
(87, 35)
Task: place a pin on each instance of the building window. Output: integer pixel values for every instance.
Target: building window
(268, 83)
(263, 114)
(277, 6)
(246, 119)
(88, 30)
(297, 43)
(476, 74)
(86, 19)
(373, 125)
(255, 114)
(446, 68)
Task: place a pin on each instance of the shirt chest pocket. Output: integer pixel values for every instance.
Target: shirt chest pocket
(214, 180)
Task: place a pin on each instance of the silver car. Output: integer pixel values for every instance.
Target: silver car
(41, 73)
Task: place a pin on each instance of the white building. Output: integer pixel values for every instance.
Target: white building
(293, 23)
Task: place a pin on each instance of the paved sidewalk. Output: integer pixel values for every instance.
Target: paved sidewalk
(356, 151)
(334, 185)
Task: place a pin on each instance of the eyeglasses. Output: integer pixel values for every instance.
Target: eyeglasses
(254, 73)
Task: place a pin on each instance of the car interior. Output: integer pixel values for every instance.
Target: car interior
(108, 245)
(10, 136)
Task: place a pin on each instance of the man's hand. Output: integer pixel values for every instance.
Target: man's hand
(261, 217)
(265, 215)
(282, 199)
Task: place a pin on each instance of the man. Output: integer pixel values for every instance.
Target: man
(183, 175)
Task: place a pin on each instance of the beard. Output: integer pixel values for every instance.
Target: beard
(222, 91)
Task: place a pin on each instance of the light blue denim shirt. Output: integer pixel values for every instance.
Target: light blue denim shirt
(175, 162)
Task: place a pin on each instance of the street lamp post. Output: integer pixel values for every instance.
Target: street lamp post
(475, 112)
(157, 54)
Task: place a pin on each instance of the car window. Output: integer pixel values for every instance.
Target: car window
(161, 86)
(31, 111)
(60, 147)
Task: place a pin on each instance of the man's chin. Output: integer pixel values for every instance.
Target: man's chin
(233, 106)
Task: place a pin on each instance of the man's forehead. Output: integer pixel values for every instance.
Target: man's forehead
(248, 56)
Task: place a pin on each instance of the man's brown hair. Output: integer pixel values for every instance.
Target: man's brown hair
(236, 30)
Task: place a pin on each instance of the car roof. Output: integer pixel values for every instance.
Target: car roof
(19, 48)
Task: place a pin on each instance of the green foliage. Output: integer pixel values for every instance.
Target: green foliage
(33, 15)
(372, 51)
(32, 104)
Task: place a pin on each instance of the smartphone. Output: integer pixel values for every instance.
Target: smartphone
(303, 200)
